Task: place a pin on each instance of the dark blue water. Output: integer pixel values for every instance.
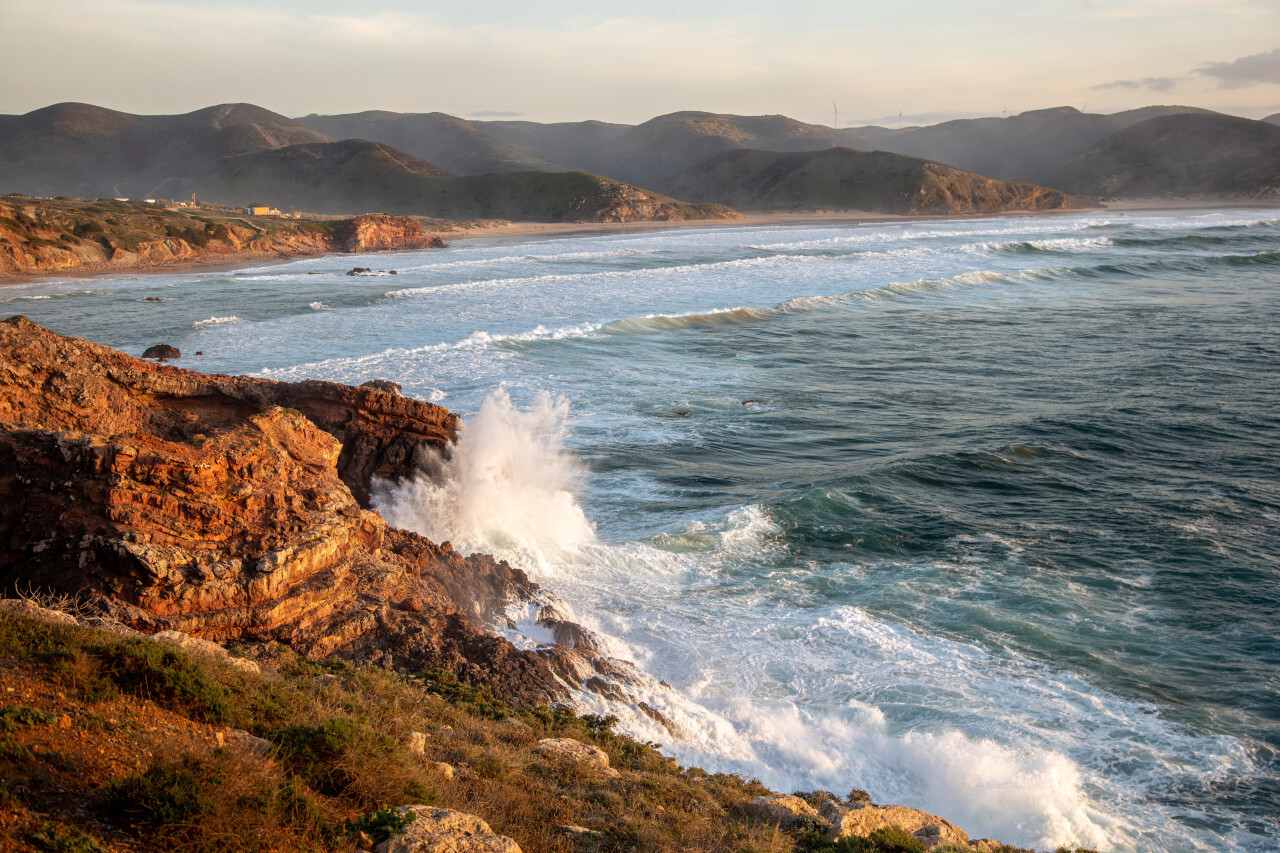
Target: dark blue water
(980, 516)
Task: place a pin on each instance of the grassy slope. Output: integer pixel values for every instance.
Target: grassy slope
(453, 143)
(839, 178)
(69, 223)
(113, 743)
(1181, 155)
(82, 150)
(357, 176)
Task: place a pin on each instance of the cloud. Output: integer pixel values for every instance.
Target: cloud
(1155, 84)
(494, 114)
(1245, 71)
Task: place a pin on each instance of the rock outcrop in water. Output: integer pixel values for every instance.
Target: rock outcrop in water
(235, 509)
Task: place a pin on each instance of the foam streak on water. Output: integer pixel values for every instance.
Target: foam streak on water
(979, 515)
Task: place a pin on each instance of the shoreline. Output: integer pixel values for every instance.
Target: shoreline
(518, 231)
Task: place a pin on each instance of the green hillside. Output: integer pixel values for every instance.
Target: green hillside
(842, 179)
(357, 176)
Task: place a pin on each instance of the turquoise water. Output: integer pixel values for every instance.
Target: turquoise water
(981, 516)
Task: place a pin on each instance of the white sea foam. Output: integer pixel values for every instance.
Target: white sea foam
(509, 486)
(317, 306)
(216, 321)
(798, 696)
(396, 357)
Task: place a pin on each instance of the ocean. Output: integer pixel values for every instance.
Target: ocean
(981, 516)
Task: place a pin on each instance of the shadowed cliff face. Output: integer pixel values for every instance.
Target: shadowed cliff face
(231, 508)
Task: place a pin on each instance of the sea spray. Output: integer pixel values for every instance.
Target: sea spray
(509, 487)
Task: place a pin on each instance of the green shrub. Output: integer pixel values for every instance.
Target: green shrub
(892, 839)
(167, 793)
(12, 718)
(476, 700)
(382, 824)
(166, 676)
(320, 754)
(57, 838)
(92, 226)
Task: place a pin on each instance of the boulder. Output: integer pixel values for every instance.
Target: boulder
(568, 749)
(163, 352)
(859, 820)
(384, 385)
(416, 743)
(784, 809)
(445, 831)
(244, 742)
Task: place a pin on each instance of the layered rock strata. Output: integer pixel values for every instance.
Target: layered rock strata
(234, 509)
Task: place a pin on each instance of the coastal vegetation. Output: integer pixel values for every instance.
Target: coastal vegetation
(116, 742)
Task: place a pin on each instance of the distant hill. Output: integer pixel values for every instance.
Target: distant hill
(1272, 119)
(87, 151)
(1192, 155)
(562, 142)
(453, 143)
(1029, 147)
(358, 176)
(227, 153)
(646, 154)
(842, 179)
(652, 153)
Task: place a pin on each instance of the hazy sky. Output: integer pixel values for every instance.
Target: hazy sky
(630, 61)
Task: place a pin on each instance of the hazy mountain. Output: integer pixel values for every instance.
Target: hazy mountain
(842, 179)
(352, 176)
(651, 153)
(358, 176)
(645, 154)
(88, 151)
(560, 142)
(1272, 119)
(1030, 146)
(453, 143)
(1203, 154)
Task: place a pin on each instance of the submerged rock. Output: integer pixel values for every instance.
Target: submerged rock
(163, 352)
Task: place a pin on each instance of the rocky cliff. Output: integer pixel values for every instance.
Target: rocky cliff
(51, 235)
(235, 509)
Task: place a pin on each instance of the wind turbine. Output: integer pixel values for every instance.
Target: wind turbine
(835, 116)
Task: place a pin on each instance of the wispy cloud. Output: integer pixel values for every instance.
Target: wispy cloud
(1245, 71)
(1155, 84)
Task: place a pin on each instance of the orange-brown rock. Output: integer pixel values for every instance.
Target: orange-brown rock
(48, 235)
(622, 203)
(220, 507)
(376, 231)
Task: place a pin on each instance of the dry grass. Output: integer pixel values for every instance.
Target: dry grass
(337, 754)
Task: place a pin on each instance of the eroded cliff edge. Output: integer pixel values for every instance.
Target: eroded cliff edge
(68, 235)
(236, 509)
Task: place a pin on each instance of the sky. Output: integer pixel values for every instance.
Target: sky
(928, 60)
